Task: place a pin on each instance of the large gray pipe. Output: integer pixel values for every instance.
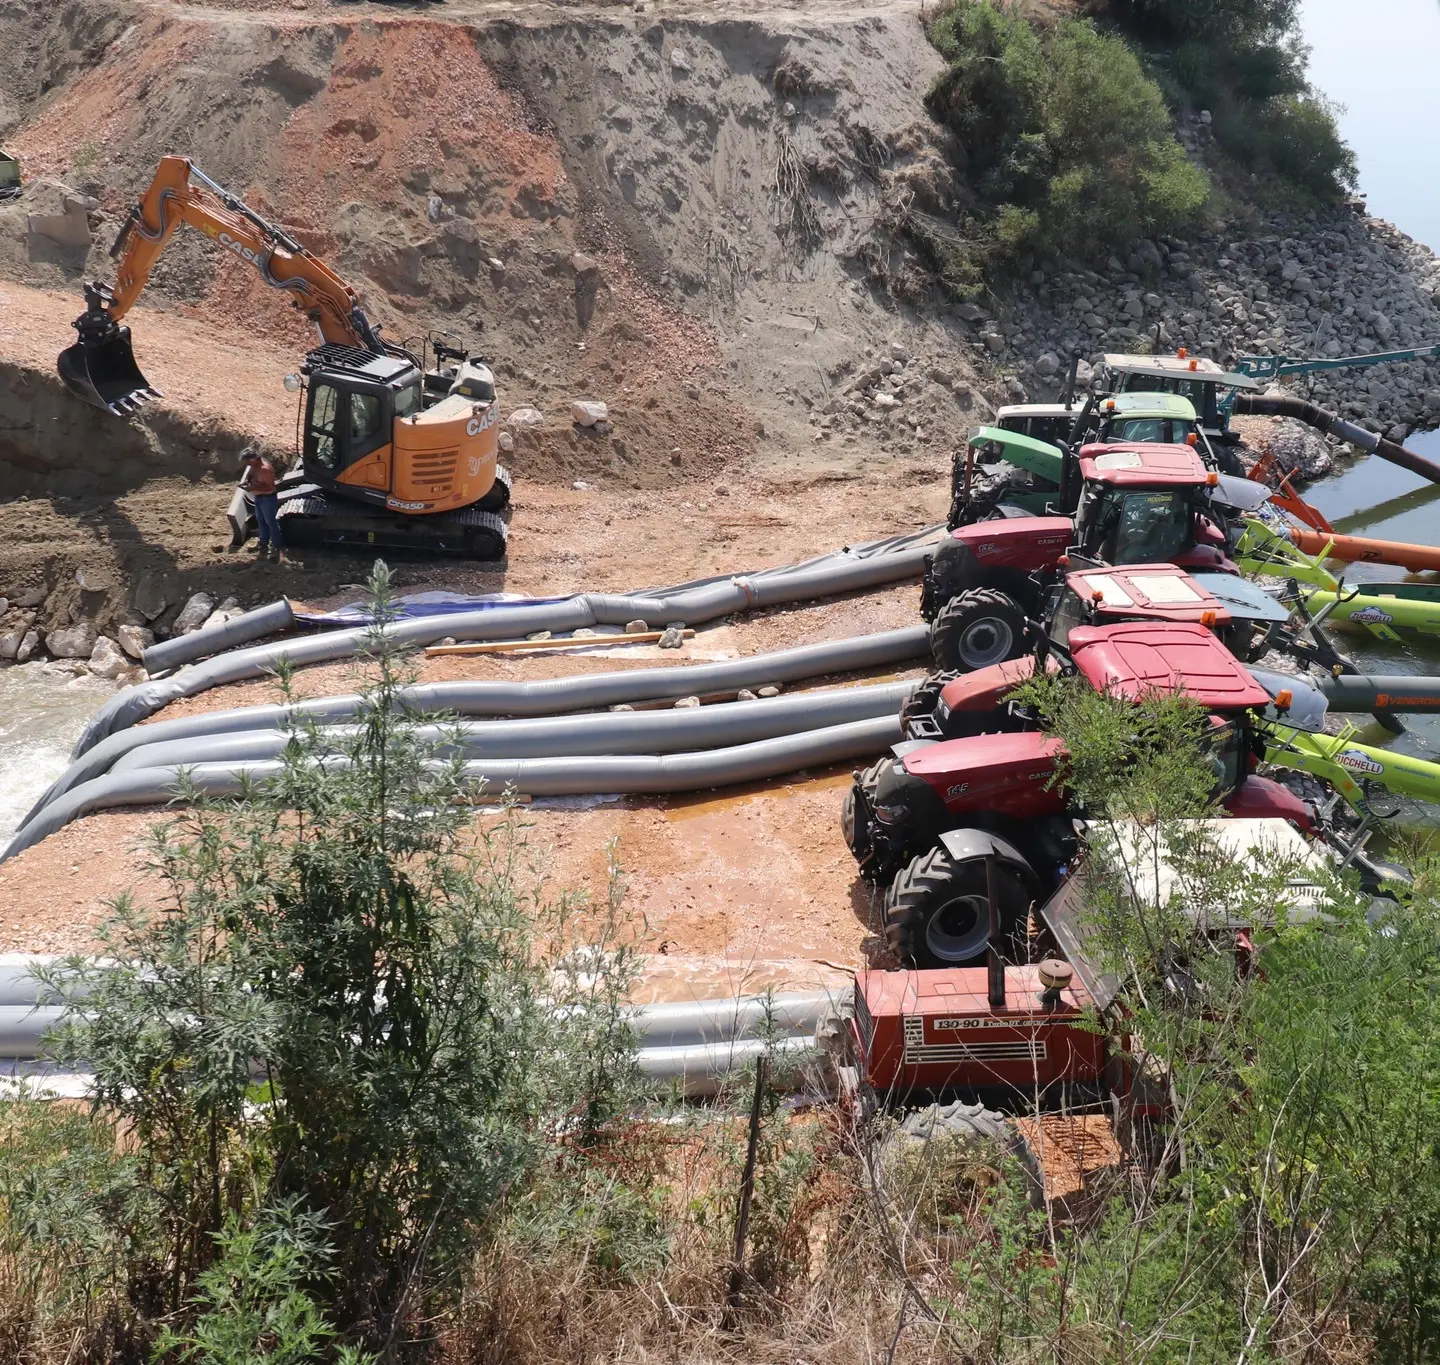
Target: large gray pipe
(692, 1023)
(702, 1069)
(540, 697)
(1381, 692)
(691, 1044)
(608, 732)
(842, 573)
(1312, 414)
(271, 619)
(567, 776)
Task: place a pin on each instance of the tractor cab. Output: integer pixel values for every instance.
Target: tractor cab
(1135, 659)
(1149, 419)
(1201, 381)
(1048, 422)
(1139, 592)
(9, 176)
(1147, 504)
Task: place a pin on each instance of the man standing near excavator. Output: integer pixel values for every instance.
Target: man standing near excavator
(259, 481)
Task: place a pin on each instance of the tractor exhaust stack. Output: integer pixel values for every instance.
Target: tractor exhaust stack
(994, 962)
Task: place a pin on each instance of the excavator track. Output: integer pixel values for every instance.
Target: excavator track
(311, 517)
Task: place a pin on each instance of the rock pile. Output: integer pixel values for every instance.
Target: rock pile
(1331, 284)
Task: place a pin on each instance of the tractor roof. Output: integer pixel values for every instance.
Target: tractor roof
(1014, 440)
(1194, 368)
(1143, 465)
(1136, 657)
(1018, 412)
(1143, 404)
(1160, 592)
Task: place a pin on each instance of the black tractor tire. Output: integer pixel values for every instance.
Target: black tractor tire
(981, 627)
(937, 914)
(498, 498)
(925, 698)
(868, 781)
(977, 1132)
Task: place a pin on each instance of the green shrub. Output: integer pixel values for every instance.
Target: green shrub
(1294, 137)
(1064, 137)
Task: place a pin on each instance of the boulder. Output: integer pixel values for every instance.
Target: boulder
(135, 640)
(193, 614)
(1301, 448)
(523, 419)
(106, 660)
(673, 637)
(585, 412)
(71, 642)
(1047, 365)
(10, 644)
(28, 646)
(971, 312)
(31, 597)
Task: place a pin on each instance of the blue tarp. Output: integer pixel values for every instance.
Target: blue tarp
(418, 604)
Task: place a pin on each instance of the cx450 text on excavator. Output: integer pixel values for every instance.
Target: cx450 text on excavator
(392, 454)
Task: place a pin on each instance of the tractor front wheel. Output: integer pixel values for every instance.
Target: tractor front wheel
(921, 703)
(979, 628)
(937, 911)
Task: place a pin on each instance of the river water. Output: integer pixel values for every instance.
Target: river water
(42, 712)
(1379, 69)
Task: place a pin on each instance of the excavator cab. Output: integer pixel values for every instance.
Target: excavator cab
(9, 176)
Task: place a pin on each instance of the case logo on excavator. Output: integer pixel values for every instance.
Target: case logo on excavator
(240, 249)
(478, 424)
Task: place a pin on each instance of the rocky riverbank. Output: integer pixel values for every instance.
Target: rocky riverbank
(1331, 284)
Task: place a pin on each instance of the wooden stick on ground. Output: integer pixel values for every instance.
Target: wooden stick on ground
(644, 637)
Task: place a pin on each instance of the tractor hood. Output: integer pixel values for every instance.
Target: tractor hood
(1137, 657)
(1028, 452)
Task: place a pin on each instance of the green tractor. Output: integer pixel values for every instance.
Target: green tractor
(9, 177)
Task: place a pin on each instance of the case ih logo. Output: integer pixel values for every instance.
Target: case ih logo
(1371, 616)
(1358, 762)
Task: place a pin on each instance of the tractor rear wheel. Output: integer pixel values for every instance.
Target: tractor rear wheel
(979, 628)
(937, 913)
(970, 1130)
(925, 698)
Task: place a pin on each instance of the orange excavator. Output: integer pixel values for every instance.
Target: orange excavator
(392, 453)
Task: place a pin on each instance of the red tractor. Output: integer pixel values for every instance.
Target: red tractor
(937, 818)
(1136, 504)
(1244, 617)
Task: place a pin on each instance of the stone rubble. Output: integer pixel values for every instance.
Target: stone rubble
(1329, 284)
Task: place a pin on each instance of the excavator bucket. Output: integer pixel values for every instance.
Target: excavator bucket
(104, 372)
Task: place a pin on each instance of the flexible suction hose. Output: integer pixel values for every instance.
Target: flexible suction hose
(541, 697)
(841, 573)
(1282, 405)
(609, 732)
(271, 619)
(568, 776)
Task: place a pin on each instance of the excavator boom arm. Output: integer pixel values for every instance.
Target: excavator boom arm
(180, 193)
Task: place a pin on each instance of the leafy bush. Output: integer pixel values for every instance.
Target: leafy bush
(1242, 60)
(345, 1006)
(1063, 135)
